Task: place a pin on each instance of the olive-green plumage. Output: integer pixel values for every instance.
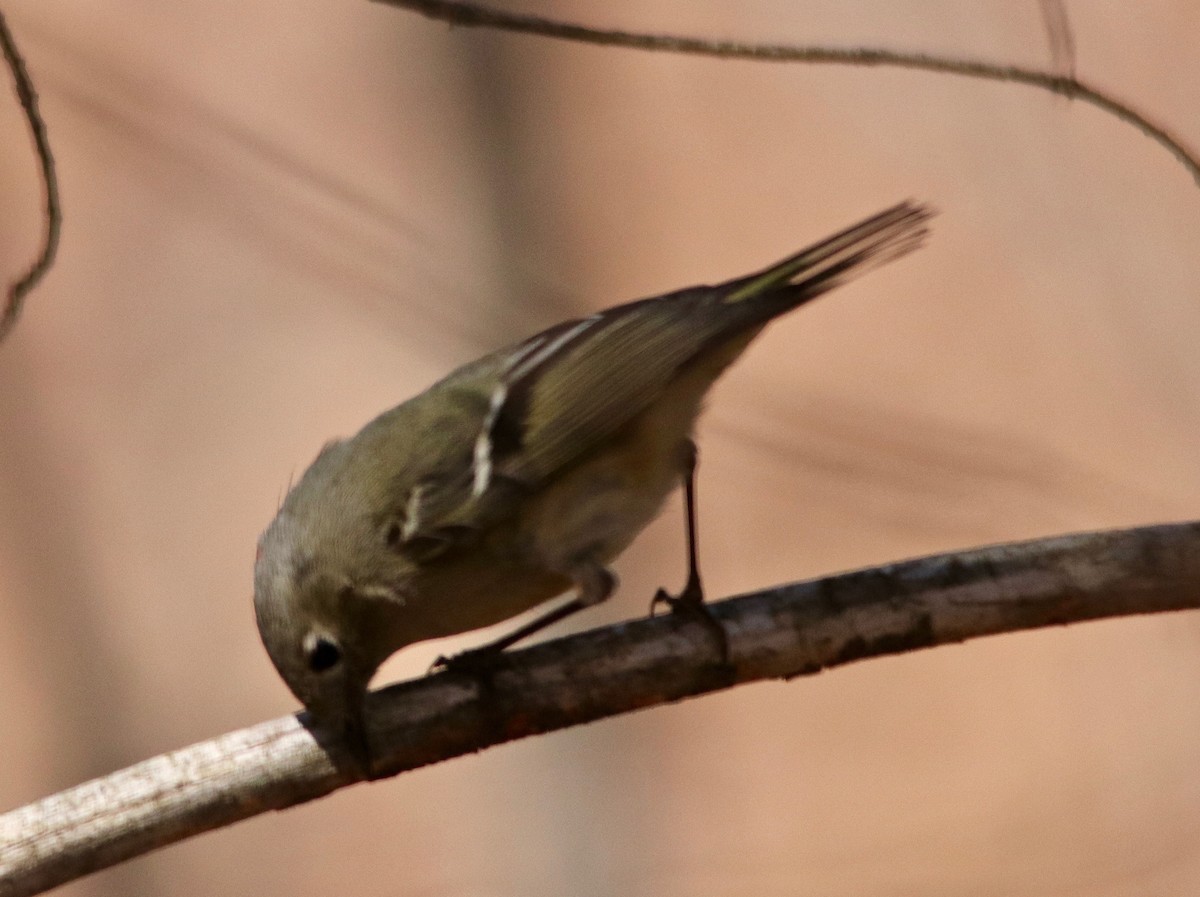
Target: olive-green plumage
(517, 477)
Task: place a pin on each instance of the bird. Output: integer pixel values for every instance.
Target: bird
(517, 478)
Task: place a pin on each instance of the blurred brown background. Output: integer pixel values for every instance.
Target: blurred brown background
(282, 218)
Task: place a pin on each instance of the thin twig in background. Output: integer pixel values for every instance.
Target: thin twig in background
(779, 633)
(1060, 36)
(470, 15)
(41, 143)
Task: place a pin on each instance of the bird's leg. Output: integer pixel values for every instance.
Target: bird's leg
(595, 583)
(690, 601)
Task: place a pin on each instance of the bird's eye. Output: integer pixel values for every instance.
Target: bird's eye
(393, 534)
(323, 655)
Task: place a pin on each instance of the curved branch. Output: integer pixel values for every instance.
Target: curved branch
(788, 631)
(41, 144)
(471, 15)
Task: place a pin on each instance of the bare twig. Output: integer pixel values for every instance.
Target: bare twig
(1060, 36)
(471, 15)
(783, 632)
(41, 143)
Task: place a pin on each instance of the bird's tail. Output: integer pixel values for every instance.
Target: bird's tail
(834, 261)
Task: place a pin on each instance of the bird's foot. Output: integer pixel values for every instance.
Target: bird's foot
(690, 604)
(480, 664)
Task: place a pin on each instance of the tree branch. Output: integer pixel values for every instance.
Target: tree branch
(788, 631)
(474, 16)
(41, 144)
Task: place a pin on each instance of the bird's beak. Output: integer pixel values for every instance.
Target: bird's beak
(354, 736)
(342, 732)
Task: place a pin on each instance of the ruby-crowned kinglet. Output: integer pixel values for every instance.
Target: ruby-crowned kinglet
(516, 478)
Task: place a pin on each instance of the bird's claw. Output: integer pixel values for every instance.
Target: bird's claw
(690, 603)
(478, 663)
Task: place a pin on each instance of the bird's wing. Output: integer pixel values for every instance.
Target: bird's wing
(500, 427)
(566, 390)
(537, 407)
(578, 384)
